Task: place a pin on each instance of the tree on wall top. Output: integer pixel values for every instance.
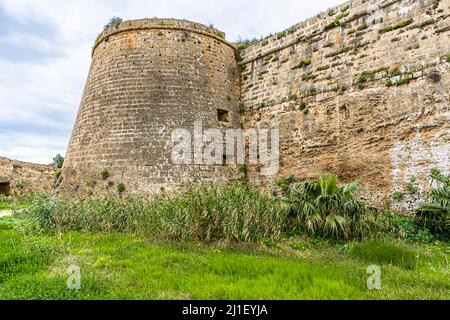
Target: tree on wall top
(58, 161)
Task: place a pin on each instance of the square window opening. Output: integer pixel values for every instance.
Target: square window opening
(223, 115)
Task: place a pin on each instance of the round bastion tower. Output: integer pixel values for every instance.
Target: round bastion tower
(148, 78)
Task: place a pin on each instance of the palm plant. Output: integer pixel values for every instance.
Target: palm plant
(321, 207)
(435, 215)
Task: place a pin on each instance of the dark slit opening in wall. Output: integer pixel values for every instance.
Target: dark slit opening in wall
(224, 160)
(4, 188)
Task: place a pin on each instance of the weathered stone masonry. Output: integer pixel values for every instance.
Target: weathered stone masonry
(148, 78)
(361, 90)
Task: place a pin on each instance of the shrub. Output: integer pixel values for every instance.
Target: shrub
(121, 187)
(363, 26)
(303, 39)
(367, 75)
(232, 213)
(285, 184)
(301, 64)
(91, 183)
(58, 161)
(396, 26)
(405, 228)
(411, 188)
(320, 207)
(371, 73)
(310, 91)
(336, 23)
(242, 109)
(398, 196)
(19, 201)
(308, 77)
(244, 44)
(324, 67)
(113, 22)
(293, 97)
(20, 185)
(435, 215)
(281, 35)
(302, 106)
(361, 81)
(105, 174)
(343, 50)
(220, 34)
(436, 4)
(57, 174)
(398, 82)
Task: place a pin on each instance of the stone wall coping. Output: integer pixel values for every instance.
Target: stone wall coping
(25, 164)
(161, 24)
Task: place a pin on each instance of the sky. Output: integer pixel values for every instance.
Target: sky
(45, 48)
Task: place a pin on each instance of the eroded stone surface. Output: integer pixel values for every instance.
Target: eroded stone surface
(147, 79)
(361, 91)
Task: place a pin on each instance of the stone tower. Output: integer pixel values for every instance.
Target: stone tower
(148, 78)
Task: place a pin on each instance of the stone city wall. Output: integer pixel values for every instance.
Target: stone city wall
(18, 177)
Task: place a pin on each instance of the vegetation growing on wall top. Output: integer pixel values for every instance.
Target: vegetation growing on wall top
(113, 22)
(301, 64)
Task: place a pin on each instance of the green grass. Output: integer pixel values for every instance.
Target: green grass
(121, 266)
(5, 206)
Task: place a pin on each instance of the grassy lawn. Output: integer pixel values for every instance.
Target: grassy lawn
(120, 266)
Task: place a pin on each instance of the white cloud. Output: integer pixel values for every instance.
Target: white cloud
(25, 41)
(42, 93)
(32, 147)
